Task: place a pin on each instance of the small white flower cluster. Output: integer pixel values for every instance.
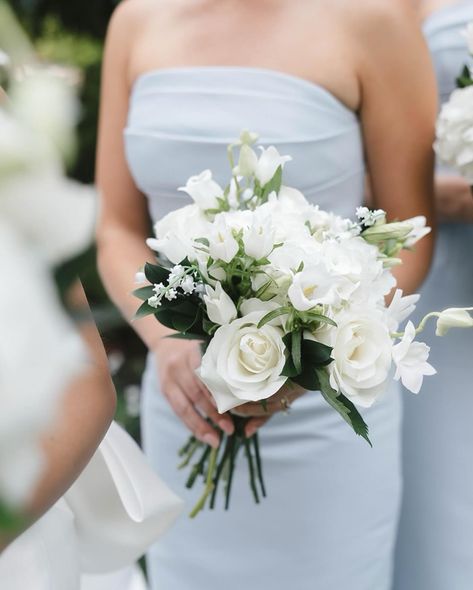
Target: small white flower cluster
(179, 278)
(368, 217)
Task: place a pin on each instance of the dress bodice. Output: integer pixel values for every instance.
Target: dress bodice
(181, 119)
(443, 32)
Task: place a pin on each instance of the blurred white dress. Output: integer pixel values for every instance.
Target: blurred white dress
(435, 544)
(92, 537)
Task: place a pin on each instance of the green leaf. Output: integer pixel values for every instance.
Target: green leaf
(272, 315)
(307, 379)
(316, 354)
(313, 316)
(156, 274)
(342, 405)
(186, 336)
(262, 290)
(144, 293)
(289, 369)
(144, 310)
(296, 351)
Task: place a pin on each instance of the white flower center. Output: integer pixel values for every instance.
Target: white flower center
(256, 353)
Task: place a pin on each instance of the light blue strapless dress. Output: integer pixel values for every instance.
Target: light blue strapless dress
(330, 518)
(435, 545)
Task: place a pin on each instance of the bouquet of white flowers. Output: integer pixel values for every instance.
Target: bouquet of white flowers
(454, 133)
(280, 291)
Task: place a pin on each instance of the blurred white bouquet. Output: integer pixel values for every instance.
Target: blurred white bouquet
(454, 133)
(44, 220)
(280, 291)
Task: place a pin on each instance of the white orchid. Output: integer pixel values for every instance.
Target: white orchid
(454, 317)
(410, 358)
(400, 308)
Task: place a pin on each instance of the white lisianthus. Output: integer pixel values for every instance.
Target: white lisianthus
(220, 307)
(419, 230)
(410, 359)
(222, 242)
(317, 286)
(258, 238)
(400, 309)
(454, 143)
(253, 304)
(203, 190)
(454, 317)
(268, 162)
(176, 231)
(362, 349)
(243, 363)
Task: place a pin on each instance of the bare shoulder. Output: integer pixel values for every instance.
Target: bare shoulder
(384, 24)
(129, 15)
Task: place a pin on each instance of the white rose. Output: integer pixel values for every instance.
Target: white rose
(454, 143)
(362, 353)
(243, 363)
(220, 307)
(176, 231)
(203, 190)
(268, 162)
(454, 317)
(410, 359)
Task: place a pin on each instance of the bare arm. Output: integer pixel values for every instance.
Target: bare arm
(122, 230)
(453, 199)
(398, 113)
(87, 409)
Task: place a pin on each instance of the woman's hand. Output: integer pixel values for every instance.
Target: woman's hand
(453, 199)
(280, 402)
(189, 398)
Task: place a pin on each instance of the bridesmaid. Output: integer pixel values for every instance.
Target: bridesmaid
(435, 544)
(329, 82)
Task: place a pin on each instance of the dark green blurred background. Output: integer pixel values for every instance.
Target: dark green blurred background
(71, 32)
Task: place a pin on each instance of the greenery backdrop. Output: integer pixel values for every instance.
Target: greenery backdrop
(72, 33)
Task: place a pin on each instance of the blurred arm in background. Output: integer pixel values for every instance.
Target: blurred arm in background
(86, 411)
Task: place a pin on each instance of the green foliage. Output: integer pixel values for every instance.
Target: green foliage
(342, 405)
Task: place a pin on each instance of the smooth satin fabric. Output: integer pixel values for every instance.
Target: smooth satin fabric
(91, 538)
(435, 544)
(330, 517)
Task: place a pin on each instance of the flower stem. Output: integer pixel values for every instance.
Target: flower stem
(231, 469)
(251, 468)
(259, 467)
(198, 468)
(209, 484)
(220, 468)
(190, 453)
